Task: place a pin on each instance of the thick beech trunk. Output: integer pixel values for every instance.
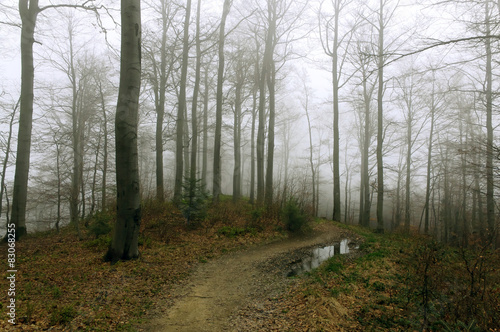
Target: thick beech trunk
(128, 208)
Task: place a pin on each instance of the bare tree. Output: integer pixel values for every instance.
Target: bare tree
(330, 25)
(216, 189)
(194, 105)
(5, 162)
(28, 11)
(161, 71)
(181, 110)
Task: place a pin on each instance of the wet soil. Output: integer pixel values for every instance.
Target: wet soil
(236, 291)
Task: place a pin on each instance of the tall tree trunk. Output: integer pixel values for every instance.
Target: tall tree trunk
(104, 149)
(76, 141)
(240, 81)
(477, 191)
(59, 185)
(204, 165)
(397, 212)
(194, 107)
(408, 170)
(463, 208)
(380, 119)
(216, 190)
(490, 199)
(336, 135)
(255, 109)
(261, 137)
(264, 78)
(271, 86)
(429, 161)
(94, 176)
(366, 206)
(252, 139)
(128, 205)
(160, 106)
(185, 149)
(311, 162)
(28, 11)
(270, 136)
(446, 200)
(179, 163)
(6, 159)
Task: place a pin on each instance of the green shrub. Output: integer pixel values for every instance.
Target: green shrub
(100, 224)
(194, 203)
(256, 215)
(294, 216)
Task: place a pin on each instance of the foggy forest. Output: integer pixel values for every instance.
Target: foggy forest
(378, 114)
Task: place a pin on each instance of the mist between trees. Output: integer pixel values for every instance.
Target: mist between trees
(381, 113)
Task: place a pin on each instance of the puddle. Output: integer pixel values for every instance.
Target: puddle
(318, 255)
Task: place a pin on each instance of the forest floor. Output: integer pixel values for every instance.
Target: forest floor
(231, 274)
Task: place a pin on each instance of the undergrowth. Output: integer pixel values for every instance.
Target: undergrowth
(403, 283)
(63, 283)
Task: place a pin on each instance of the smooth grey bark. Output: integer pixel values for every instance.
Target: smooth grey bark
(94, 176)
(179, 163)
(77, 137)
(7, 154)
(238, 101)
(124, 244)
(254, 118)
(380, 119)
(204, 165)
(429, 159)
(409, 145)
(478, 198)
(397, 211)
(28, 11)
(311, 162)
(265, 79)
(365, 198)
(255, 114)
(216, 189)
(463, 158)
(271, 88)
(3, 186)
(160, 104)
(59, 183)
(269, 193)
(333, 53)
(446, 206)
(104, 148)
(186, 144)
(347, 186)
(490, 199)
(194, 107)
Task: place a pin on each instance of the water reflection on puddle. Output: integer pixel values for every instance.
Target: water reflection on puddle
(317, 256)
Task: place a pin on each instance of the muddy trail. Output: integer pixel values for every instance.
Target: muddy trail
(235, 292)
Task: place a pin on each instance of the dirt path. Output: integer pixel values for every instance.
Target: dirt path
(217, 290)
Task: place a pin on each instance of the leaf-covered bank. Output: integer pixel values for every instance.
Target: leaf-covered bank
(398, 283)
(64, 284)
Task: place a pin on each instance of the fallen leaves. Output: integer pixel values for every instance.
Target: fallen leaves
(63, 284)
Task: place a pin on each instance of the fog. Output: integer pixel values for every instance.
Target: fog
(438, 120)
